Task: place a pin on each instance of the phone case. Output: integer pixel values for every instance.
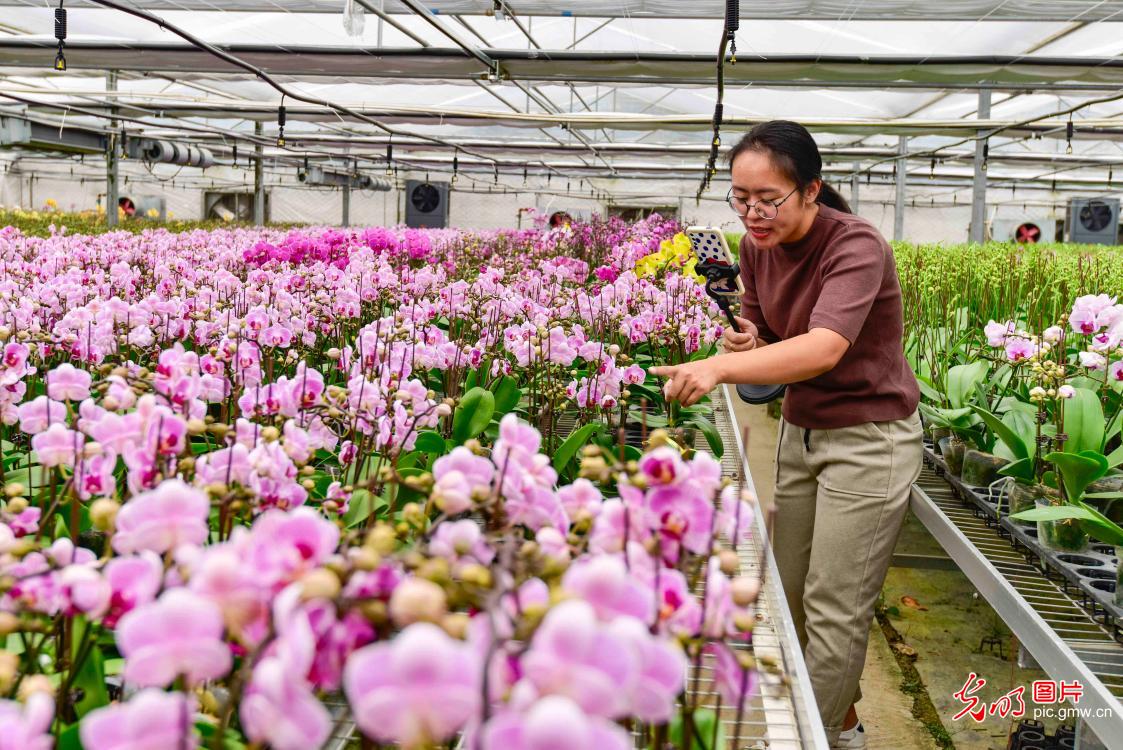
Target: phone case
(713, 253)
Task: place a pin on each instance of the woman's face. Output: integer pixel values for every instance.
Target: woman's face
(756, 178)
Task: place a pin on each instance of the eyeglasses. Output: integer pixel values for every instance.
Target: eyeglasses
(764, 209)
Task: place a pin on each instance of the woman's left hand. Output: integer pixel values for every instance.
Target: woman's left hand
(689, 382)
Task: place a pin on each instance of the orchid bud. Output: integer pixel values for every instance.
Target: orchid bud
(9, 668)
(382, 539)
(413, 515)
(476, 574)
(216, 489)
(196, 427)
(374, 610)
(9, 624)
(456, 625)
(110, 403)
(319, 584)
(270, 434)
(365, 558)
(16, 505)
(35, 683)
(1066, 391)
(443, 410)
(14, 489)
(103, 513)
(744, 622)
(208, 703)
(745, 590)
(417, 600)
(730, 563)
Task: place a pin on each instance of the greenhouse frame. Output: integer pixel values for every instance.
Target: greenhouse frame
(375, 374)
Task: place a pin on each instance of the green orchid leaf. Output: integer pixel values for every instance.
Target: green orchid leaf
(507, 395)
(472, 415)
(1078, 470)
(713, 437)
(577, 440)
(1013, 442)
(961, 381)
(1083, 422)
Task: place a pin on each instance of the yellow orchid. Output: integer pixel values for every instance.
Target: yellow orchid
(674, 253)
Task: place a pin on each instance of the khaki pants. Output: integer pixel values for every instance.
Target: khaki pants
(841, 497)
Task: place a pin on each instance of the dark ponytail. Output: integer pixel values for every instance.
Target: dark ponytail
(794, 153)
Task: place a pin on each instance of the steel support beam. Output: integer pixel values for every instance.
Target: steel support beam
(111, 171)
(979, 187)
(902, 179)
(258, 178)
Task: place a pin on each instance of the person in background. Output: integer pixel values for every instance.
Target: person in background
(127, 205)
(822, 313)
(560, 219)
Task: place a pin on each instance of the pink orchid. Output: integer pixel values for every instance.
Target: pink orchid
(57, 446)
(133, 581)
(28, 726)
(997, 333)
(279, 706)
(94, 477)
(606, 584)
(162, 519)
(581, 496)
(180, 634)
(734, 682)
(1018, 349)
(553, 723)
(67, 383)
(422, 687)
(574, 655)
(36, 415)
(149, 720)
(461, 541)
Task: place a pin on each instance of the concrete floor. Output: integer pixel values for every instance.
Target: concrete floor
(945, 635)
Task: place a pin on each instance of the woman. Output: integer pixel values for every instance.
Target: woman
(822, 313)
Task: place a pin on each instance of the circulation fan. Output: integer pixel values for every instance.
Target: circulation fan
(426, 204)
(1095, 215)
(1027, 233)
(1094, 221)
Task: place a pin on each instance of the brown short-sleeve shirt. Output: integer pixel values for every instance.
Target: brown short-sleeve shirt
(841, 275)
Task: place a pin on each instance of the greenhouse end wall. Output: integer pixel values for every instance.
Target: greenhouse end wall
(482, 210)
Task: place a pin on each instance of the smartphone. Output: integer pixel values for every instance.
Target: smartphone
(716, 262)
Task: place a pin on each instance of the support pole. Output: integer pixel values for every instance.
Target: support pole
(111, 169)
(855, 182)
(899, 207)
(347, 203)
(979, 188)
(258, 177)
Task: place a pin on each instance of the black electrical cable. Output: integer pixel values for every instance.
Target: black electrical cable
(60, 35)
(732, 23)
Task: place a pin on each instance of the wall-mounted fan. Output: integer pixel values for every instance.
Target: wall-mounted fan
(426, 204)
(1094, 221)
